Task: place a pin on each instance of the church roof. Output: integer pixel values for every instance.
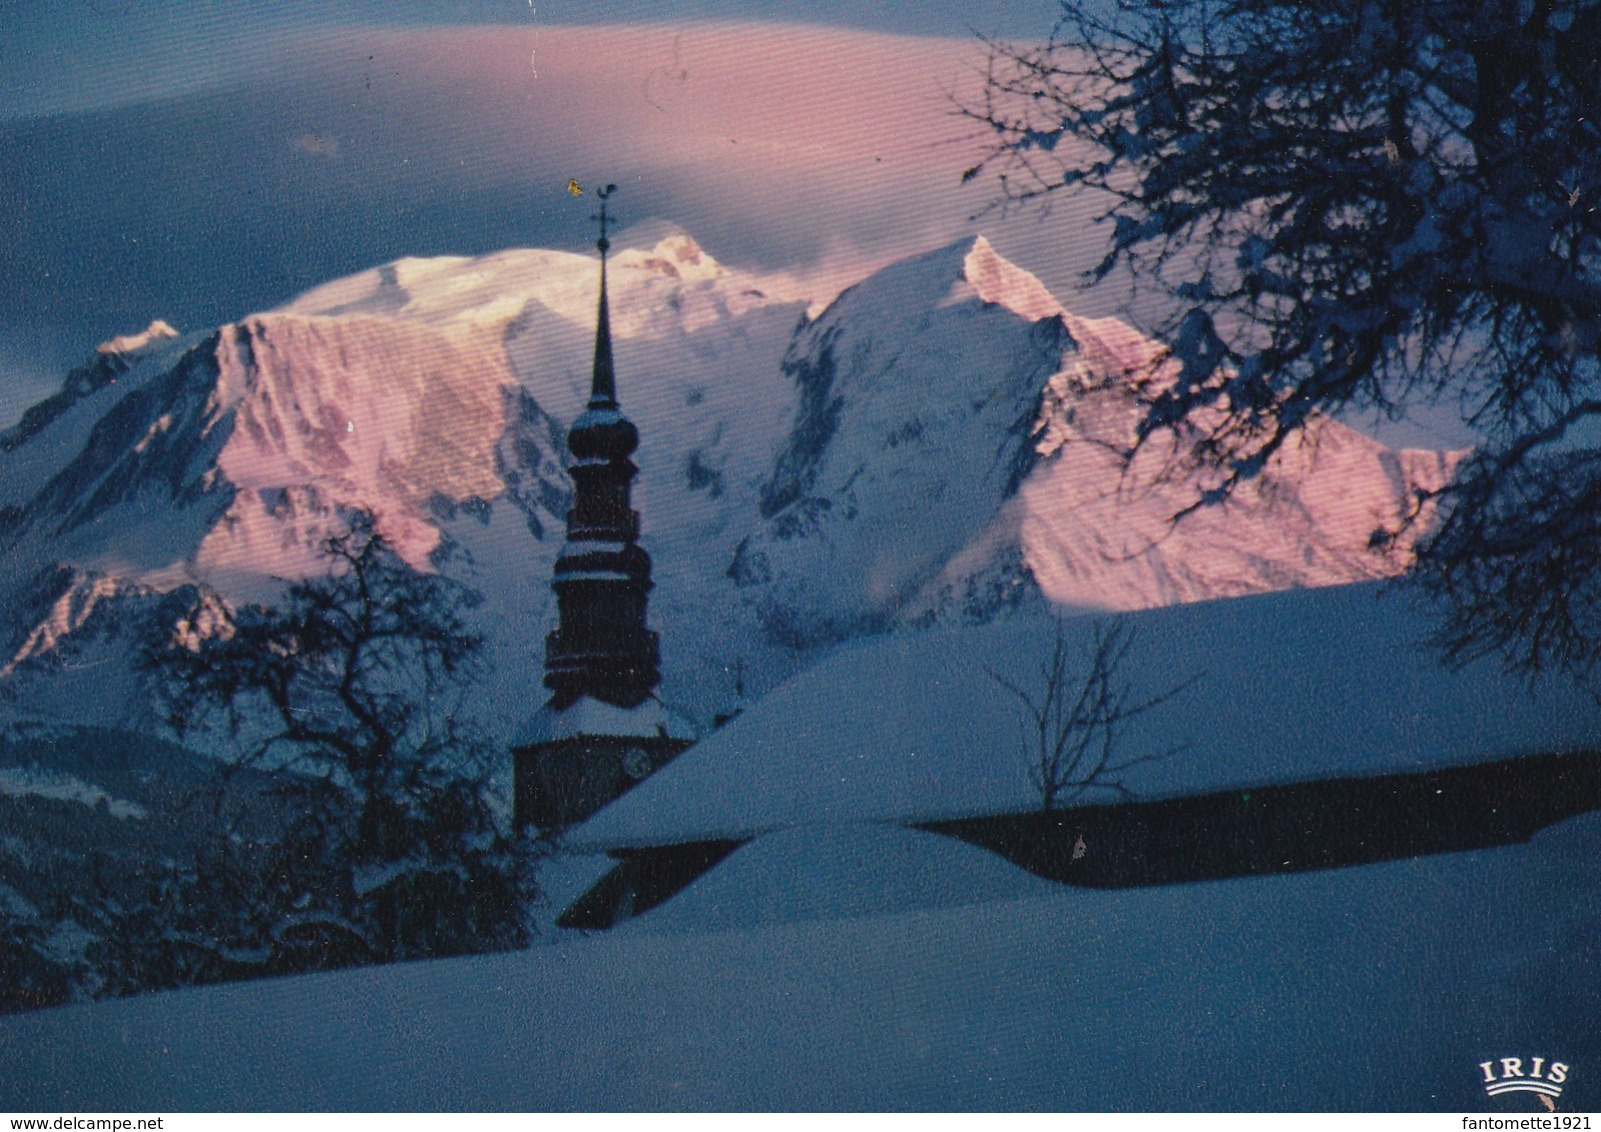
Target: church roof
(1288, 687)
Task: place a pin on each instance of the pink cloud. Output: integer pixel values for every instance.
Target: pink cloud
(821, 152)
(789, 137)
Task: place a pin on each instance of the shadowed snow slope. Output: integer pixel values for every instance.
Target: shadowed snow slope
(1374, 988)
(1286, 687)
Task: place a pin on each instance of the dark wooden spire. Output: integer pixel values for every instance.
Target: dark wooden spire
(601, 646)
(603, 383)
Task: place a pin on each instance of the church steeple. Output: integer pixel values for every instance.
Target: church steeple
(603, 729)
(601, 647)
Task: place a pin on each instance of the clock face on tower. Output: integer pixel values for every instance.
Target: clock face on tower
(636, 762)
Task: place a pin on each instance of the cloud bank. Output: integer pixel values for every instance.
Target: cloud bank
(818, 151)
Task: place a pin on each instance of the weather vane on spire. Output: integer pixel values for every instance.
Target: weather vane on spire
(604, 217)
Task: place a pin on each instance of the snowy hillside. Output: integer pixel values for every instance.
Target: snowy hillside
(1378, 988)
(84, 811)
(937, 445)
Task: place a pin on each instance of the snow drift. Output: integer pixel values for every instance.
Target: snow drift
(1370, 989)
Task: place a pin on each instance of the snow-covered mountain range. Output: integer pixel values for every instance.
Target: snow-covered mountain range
(942, 442)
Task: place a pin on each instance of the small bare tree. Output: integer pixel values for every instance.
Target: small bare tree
(1073, 734)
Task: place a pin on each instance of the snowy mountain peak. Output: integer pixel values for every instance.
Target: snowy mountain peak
(998, 280)
(961, 272)
(332, 413)
(676, 256)
(128, 343)
(955, 449)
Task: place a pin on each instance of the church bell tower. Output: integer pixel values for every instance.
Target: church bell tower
(603, 728)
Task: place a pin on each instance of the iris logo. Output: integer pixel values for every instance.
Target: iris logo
(1507, 1076)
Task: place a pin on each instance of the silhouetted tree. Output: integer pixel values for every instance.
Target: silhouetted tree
(382, 842)
(1357, 204)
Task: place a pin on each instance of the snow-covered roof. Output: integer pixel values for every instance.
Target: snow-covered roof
(588, 716)
(915, 727)
(792, 875)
